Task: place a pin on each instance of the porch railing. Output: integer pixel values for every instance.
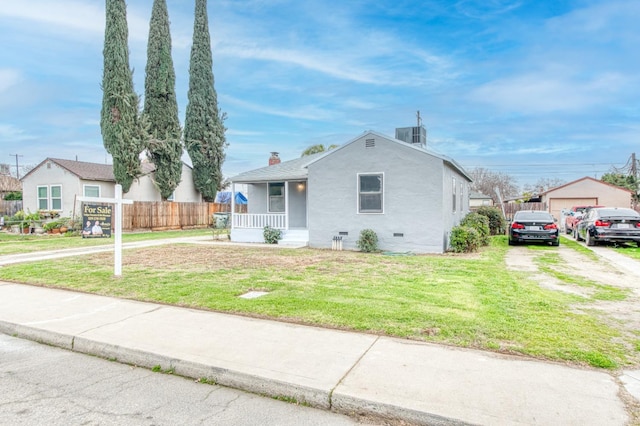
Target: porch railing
(249, 220)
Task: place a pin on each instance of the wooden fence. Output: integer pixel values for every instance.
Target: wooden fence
(166, 215)
(511, 208)
(10, 208)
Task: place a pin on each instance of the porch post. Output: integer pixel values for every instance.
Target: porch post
(233, 202)
(286, 205)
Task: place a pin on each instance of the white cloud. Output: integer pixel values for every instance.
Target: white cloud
(547, 92)
(9, 78)
(301, 112)
(70, 17)
(13, 134)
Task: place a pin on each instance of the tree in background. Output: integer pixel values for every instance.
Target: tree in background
(204, 128)
(123, 134)
(314, 149)
(160, 105)
(490, 183)
(626, 181)
(542, 185)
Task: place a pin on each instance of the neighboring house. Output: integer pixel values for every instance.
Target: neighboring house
(54, 184)
(409, 196)
(586, 191)
(9, 184)
(478, 199)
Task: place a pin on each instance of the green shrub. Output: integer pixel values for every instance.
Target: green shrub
(480, 223)
(497, 223)
(271, 235)
(464, 239)
(15, 195)
(368, 241)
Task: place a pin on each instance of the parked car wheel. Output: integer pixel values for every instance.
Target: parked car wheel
(589, 239)
(555, 243)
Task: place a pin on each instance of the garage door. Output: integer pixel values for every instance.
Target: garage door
(556, 205)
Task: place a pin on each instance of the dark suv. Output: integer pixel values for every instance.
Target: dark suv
(533, 226)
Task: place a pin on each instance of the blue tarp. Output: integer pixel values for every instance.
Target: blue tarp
(225, 198)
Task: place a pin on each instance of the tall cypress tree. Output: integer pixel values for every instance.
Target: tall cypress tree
(122, 129)
(160, 105)
(204, 130)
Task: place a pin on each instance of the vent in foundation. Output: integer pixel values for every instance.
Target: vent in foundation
(398, 234)
(343, 233)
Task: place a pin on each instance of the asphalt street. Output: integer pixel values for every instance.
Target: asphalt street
(43, 385)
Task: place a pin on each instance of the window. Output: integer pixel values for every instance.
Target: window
(370, 190)
(56, 197)
(49, 197)
(92, 190)
(43, 198)
(276, 197)
(454, 195)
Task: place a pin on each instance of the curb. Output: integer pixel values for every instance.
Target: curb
(317, 398)
(220, 376)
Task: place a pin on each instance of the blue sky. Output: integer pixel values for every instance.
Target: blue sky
(535, 89)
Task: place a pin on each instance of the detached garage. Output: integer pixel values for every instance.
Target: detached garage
(586, 191)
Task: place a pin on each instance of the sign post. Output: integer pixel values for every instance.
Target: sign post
(118, 201)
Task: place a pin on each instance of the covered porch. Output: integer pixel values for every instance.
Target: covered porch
(277, 204)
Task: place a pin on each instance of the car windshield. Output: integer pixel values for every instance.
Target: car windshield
(617, 212)
(533, 216)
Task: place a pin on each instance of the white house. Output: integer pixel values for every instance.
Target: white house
(411, 197)
(55, 183)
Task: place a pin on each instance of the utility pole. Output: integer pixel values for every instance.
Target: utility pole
(18, 167)
(634, 173)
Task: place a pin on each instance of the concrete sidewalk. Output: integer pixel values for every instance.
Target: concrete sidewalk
(346, 372)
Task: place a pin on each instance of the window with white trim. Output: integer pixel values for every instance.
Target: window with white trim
(276, 197)
(49, 197)
(56, 197)
(454, 194)
(43, 198)
(91, 190)
(370, 193)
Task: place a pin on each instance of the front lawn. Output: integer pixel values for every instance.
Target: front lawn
(462, 300)
(19, 243)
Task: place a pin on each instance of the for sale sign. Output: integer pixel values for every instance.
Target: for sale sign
(96, 220)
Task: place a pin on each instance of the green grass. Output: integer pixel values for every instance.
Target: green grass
(629, 250)
(463, 300)
(17, 243)
(602, 291)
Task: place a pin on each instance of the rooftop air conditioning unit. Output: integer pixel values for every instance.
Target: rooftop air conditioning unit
(413, 135)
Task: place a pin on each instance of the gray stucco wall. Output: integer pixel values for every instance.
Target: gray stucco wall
(415, 201)
(49, 174)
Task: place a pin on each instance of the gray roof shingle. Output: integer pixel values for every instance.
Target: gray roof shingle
(87, 171)
(287, 170)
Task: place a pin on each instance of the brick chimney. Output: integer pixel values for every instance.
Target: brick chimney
(274, 159)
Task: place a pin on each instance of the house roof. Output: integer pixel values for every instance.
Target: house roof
(478, 196)
(287, 170)
(91, 171)
(589, 179)
(297, 169)
(82, 169)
